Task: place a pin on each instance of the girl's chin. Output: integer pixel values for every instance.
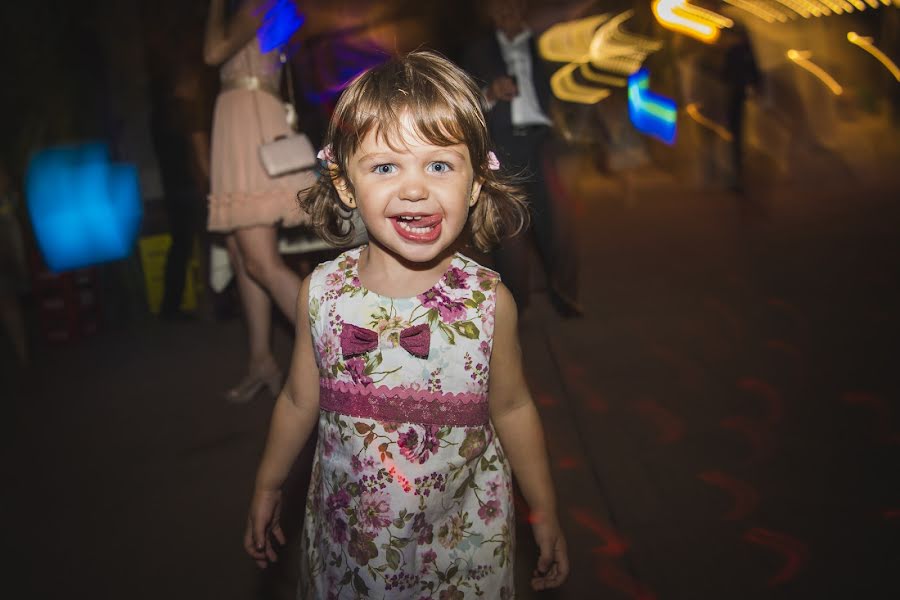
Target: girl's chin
(415, 252)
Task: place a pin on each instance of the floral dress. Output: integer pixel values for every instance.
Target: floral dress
(411, 494)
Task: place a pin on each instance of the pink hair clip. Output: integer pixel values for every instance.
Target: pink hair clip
(325, 154)
(493, 162)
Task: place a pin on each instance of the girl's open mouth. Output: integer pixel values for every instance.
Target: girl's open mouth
(418, 228)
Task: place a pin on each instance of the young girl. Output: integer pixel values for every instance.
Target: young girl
(408, 359)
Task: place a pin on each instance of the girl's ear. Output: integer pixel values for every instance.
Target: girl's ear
(344, 193)
(476, 192)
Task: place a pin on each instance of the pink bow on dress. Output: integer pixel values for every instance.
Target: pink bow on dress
(358, 340)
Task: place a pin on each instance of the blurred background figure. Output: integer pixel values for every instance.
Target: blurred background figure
(741, 76)
(244, 202)
(517, 94)
(178, 123)
(621, 153)
(717, 80)
(13, 269)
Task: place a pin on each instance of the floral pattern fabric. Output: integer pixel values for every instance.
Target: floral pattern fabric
(411, 494)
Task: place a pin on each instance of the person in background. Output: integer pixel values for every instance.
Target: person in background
(516, 89)
(181, 140)
(245, 203)
(13, 271)
(741, 76)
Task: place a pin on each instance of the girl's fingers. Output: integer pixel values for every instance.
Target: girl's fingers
(553, 574)
(545, 560)
(279, 534)
(259, 536)
(270, 552)
(250, 538)
(562, 560)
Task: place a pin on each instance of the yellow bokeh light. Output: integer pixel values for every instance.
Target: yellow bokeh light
(801, 59)
(618, 51)
(570, 41)
(866, 44)
(833, 6)
(566, 88)
(765, 13)
(671, 14)
(693, 111)
(601, 52)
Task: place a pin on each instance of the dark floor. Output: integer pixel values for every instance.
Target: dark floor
(722, 424)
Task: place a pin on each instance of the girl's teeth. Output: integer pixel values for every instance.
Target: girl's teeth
(407, 227)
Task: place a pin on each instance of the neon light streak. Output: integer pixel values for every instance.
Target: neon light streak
(833, 6)
(802, 60)
(601, 52)
(566, 88)
(778, 7)
(650, 113)
(814, 8)
(782, 10)
(618, 51)
(691, 11)
(693, 111)
(570, 42)
(766, 14)
(866, 44)
(671, 15)
(797, 7)
(794, 552)
(591, 75)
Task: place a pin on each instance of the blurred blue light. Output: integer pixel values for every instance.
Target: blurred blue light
(279, 24)
(651, 113)
(84, 209)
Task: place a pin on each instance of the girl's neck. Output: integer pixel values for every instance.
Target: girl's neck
(387, 274)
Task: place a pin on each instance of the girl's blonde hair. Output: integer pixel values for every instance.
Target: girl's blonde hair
(444, 106)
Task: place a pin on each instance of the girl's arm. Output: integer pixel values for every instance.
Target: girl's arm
(223, 40)
(296, 413)
(519, 428)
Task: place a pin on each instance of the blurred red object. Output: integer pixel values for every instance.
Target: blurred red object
(67, 303)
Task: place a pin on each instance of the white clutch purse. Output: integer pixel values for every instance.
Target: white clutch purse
(287, 154)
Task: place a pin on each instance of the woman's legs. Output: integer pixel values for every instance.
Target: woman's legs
(257, 311)
(261, 276)
(258, 248)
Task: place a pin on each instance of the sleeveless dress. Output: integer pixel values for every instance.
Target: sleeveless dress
(411, 493)
(241, 192)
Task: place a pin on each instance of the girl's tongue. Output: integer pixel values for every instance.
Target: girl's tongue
(418, 228)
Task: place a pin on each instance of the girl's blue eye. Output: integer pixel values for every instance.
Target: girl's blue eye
(439, 167)
(384, 169)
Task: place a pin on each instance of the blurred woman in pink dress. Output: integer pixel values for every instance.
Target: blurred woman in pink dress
(245, 203)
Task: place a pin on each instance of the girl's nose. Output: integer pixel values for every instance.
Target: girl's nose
(413, 188)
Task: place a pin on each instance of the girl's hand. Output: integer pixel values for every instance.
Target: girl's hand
(553, 563)
(264, 523)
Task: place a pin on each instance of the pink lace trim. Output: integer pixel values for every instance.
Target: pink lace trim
(402, 405)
